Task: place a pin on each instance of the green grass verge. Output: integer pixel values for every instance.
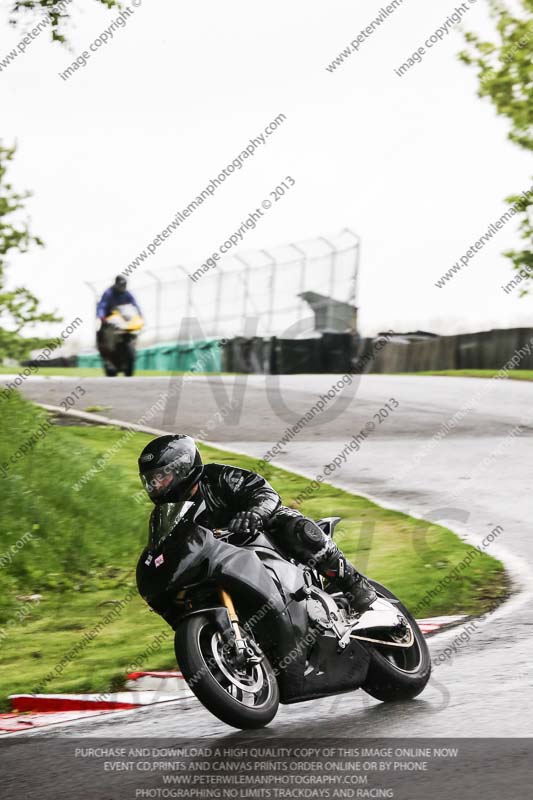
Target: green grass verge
(515, 374)
(96, 372)
(80, 549)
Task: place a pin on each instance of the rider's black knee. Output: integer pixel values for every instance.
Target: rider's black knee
(295, 535)
(309, 534)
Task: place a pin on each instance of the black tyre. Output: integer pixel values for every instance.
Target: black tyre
(129, 359)
(122, 357)
(110, 370)
(242, 697)
(398, 673)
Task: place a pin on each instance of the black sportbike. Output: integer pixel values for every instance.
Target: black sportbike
(253, 628)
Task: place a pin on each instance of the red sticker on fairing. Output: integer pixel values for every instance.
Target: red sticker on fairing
(159, 560)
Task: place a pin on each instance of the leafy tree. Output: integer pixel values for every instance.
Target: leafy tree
(505, 72)
(19, 308)
(57, 10)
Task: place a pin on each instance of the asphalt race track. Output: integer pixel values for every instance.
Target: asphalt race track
(477, 477)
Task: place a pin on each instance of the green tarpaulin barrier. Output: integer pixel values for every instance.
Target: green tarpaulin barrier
(204, 356)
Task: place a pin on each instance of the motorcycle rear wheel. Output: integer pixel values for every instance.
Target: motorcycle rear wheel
(243, 697)
(396, 673)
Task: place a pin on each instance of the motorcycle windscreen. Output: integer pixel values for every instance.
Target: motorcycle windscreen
(131, 319)
(165, 519)
(127, 311)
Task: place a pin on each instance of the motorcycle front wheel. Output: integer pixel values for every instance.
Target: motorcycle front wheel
(244, 696)
(109, 369)
(129, 359)
(397, 673)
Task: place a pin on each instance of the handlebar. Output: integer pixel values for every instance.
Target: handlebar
(221, 533)
(240, 538)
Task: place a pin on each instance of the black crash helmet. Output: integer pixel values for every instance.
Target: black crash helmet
(169, 467)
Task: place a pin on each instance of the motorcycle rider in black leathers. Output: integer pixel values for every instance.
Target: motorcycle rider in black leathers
(243, 502)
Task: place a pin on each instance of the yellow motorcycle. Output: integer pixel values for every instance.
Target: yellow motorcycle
(118, 340)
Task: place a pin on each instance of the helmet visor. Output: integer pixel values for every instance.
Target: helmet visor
(158, 481)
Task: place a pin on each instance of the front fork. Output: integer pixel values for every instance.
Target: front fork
(244, 652)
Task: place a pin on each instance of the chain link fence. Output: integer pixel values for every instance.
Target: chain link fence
(254, 294)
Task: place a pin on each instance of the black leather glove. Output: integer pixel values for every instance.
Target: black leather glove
(245, 525)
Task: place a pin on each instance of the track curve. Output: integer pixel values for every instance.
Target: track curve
(485, 689)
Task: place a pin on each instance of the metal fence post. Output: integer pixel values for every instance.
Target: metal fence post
(96, 298)
(158, 288)
(303, 271)
(334, 253)
(190, 301)
(246, 284)
(352, 298)
(273, 264)
(218, 301)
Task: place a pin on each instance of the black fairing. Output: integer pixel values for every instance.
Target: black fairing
(261, 584)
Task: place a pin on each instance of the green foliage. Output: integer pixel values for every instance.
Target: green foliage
(505, 72)
(57, 10)
(19, 308)
(68, 540)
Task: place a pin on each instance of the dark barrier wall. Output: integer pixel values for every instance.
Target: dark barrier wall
(483, 350)
(61, 361)
(415, 356)
(247, 355)
(331, 352)
(339, 353)
(298, 355)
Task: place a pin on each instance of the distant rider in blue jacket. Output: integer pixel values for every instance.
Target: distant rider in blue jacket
(116, 295)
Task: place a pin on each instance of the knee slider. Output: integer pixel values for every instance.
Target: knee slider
(309, 534)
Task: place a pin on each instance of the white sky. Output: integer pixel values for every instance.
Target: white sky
(418, 165)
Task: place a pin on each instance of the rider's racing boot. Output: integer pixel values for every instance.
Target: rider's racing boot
(344, 578)
(322, 553)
